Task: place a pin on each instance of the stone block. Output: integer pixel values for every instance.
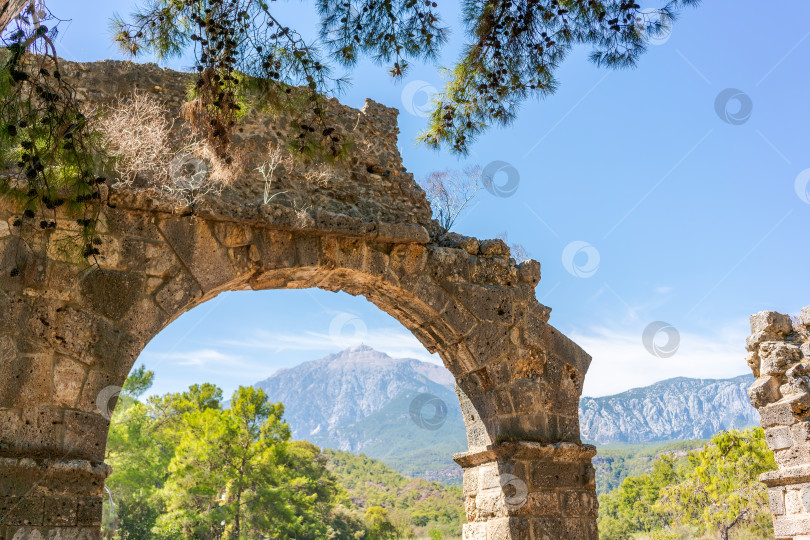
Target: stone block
(753, 361)
(764, 390)
(144, 319)
(509, 528)
(778, 437)
(793, 503)
(776, 357)
(195, 245)
(307, 251)
(549, 474)
(785, 412)
(792, 456)
(800, 432)
(41, 429)
(68, 378)
(60, 511)
(85, 435)
(771, 322)
(548, 528)
(100, 393)
(22, 510)
(408, 259)
(804, 317)
(776, 500)
(26, 377)
(89, 511)
(475, 531)
(459, 318)
(232, 234)
(542, 503)
(493, 248)
(176, 295)
(150, 258)
(579, 504)
(489, 503)
(798, 378)
(790, 526)
(529, 272)
(489, 303)
(470, 482)
(111, 293)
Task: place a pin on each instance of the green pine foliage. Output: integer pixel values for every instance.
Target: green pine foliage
(187, 467)
(512, 50)
(711, 492)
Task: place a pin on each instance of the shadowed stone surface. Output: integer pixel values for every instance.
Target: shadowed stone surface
(779, 356)
(69, 333)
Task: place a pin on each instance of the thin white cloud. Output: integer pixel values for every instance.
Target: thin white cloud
(394, 342)
(201, 358)
(621, 362)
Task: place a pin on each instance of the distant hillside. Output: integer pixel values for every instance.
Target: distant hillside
(416, 503)
(680, 408)
(615, 462)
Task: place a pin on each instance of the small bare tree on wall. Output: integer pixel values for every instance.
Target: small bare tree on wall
(519, 252)
(450, 191)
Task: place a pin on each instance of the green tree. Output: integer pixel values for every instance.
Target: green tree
(139, 381)
(184, 467)
(630, 508)
(379, 524)
(193, 495)
(256, 428)
(223, 463)
(720, 489)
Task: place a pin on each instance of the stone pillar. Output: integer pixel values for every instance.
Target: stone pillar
(527, 475)
(530, 491)
(49, 498)
(779, 356)
(54, 408)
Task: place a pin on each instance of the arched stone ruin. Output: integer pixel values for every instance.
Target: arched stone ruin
(778, 354)
(70, 333)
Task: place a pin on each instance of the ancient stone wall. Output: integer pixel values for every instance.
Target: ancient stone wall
(779, 356)
(70, 332)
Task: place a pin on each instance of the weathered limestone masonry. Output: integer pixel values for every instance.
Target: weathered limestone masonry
(779, 355)
(69, 332)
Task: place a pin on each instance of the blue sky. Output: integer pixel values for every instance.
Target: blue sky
(674, 207)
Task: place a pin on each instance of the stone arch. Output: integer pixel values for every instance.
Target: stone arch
(70, 333)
